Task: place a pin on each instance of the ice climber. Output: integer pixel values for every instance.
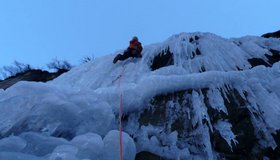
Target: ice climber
(134, 50)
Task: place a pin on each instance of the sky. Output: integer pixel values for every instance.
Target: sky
(37, 31)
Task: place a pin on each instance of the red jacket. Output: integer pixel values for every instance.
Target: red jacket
(134, 44)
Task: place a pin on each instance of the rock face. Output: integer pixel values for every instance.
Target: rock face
(165, 58)
(180, 115)
(272, 57)
(273, 35)
(231, 130)
(30, 75)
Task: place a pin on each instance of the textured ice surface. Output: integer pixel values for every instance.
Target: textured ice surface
(75, 116)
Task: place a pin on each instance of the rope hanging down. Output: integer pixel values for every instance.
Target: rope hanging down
(120, 111)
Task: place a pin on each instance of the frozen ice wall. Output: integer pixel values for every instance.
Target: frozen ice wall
(76, 115)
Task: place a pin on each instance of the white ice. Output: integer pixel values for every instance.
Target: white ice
(84, 103)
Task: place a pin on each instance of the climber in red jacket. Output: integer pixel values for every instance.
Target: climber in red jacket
(134, 50)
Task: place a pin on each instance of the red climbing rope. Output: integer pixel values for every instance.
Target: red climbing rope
(120, 127)
(120, 112)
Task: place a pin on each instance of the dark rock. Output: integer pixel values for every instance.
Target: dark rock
(165, 58)
(276, 137)
(159, 115)
(30, 75)
(220, 145)
(194, 40)
(197, 51)
(202, 69)
(242, 126)
(144, 155)
(273, 57)
(273, 35)
(237, 43)
(191, 40)
(274, 153)
(258, 61)
(193, 55)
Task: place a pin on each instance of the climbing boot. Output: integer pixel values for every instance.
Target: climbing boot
(116, 58)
